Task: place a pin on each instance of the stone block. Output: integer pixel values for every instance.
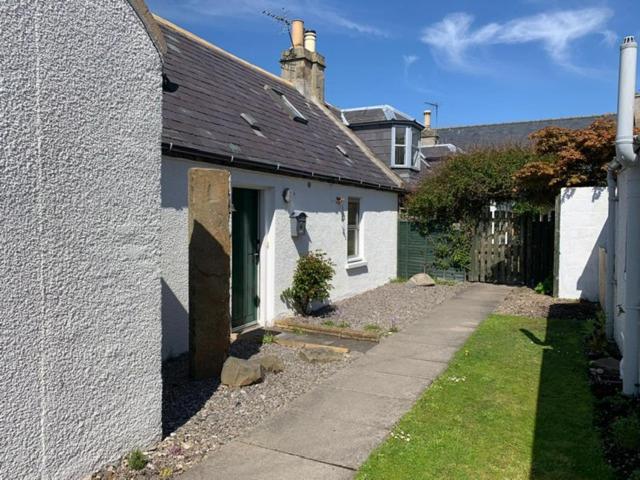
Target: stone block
(209, 271)
(237, 372)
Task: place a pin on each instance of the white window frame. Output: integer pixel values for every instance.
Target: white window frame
(408, 149)
(357, 260)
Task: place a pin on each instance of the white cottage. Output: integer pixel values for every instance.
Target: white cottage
(288, 152)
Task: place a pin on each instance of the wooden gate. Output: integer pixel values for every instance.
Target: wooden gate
(512, 249)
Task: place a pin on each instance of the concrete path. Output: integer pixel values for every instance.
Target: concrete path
(329, 432)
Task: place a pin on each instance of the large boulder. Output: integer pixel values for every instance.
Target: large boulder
(421, 280)
(270, 363)
(320, 355)
(237, 372)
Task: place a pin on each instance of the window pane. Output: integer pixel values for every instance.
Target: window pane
(352, 243)
(399, 159)
(400, 136)
(416, 157)
(352, 217)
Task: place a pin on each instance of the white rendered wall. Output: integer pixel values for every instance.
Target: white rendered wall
(326, 230)
(583, 219)
(80, 125)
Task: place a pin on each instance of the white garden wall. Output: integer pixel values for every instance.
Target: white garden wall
(582, 216)
(80, 125)
(326, 227)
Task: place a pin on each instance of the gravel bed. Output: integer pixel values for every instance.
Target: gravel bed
(393, 305)
(526, 302)
(200, 416)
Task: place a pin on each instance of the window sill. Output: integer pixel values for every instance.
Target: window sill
(405, 167)
(355, 263)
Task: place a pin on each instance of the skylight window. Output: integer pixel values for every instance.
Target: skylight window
(341, 149)
(252, 123)
(284, 102)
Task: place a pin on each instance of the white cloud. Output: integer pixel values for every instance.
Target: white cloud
(453, 37)
(408, 60)
(314, 12)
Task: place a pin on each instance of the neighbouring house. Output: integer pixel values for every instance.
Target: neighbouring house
(80, 330)
(393, 136)
(290, 159)
(468, 137)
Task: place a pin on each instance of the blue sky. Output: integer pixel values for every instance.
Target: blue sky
(481, 61)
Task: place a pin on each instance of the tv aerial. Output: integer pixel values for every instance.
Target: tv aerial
(282, 19)
(435, 106)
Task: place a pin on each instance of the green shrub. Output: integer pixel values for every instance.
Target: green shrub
(597, 342)
(311, 282)
(452, 249)
(545, 287)
(137, 460)
(329, 323)
(625, 432)
(635, 475)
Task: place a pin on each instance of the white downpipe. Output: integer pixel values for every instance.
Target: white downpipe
(626, 99)
(611, 242)
(627, 157)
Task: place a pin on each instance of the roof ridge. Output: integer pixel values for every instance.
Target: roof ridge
(526, 121)
(217, 49)
(360, 144)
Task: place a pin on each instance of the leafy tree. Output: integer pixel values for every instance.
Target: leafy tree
(568, 158)
(464, 185)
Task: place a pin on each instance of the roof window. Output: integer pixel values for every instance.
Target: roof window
(252, 123)
(284, 102)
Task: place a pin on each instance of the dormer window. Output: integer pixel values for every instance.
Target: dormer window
(404, 148)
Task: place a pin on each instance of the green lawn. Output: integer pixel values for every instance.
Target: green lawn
(514, 404)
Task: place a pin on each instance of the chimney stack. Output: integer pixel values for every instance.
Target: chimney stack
(302, 65)
(297, 33)
(427, 119)
(428, 136)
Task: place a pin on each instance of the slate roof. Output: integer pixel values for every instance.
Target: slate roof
(375, 114)
(203, 117)
(498, 134)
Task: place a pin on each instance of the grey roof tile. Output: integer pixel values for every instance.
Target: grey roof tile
(215, 88)
(499, 134)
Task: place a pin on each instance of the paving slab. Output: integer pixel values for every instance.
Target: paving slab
(330, 431)
(396, 365)
(328, 440)
(238, 460)
(369, 409)
(376, 383)
(419, 351)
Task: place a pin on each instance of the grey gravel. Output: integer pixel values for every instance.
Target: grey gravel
(391, 306)
(200, 416)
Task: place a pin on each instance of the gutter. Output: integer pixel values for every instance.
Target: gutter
(171, 150)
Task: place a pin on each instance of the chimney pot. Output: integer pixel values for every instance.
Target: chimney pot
(310, 40)
(427, 119)
(297, 33)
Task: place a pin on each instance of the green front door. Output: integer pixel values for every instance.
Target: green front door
(246, 247)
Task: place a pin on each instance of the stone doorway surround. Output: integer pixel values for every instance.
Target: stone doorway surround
(209, 271)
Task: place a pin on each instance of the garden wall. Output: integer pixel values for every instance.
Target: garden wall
(581, 222)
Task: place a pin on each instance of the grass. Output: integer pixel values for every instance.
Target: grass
(514, 403)
(331, 323)
(137, 460)
(268, 338)
(372, 327)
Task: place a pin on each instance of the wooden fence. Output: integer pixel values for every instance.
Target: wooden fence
(512, 249)
(416, 254)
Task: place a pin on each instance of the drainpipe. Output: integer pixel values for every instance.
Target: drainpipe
(627, 157)
(609, 301)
